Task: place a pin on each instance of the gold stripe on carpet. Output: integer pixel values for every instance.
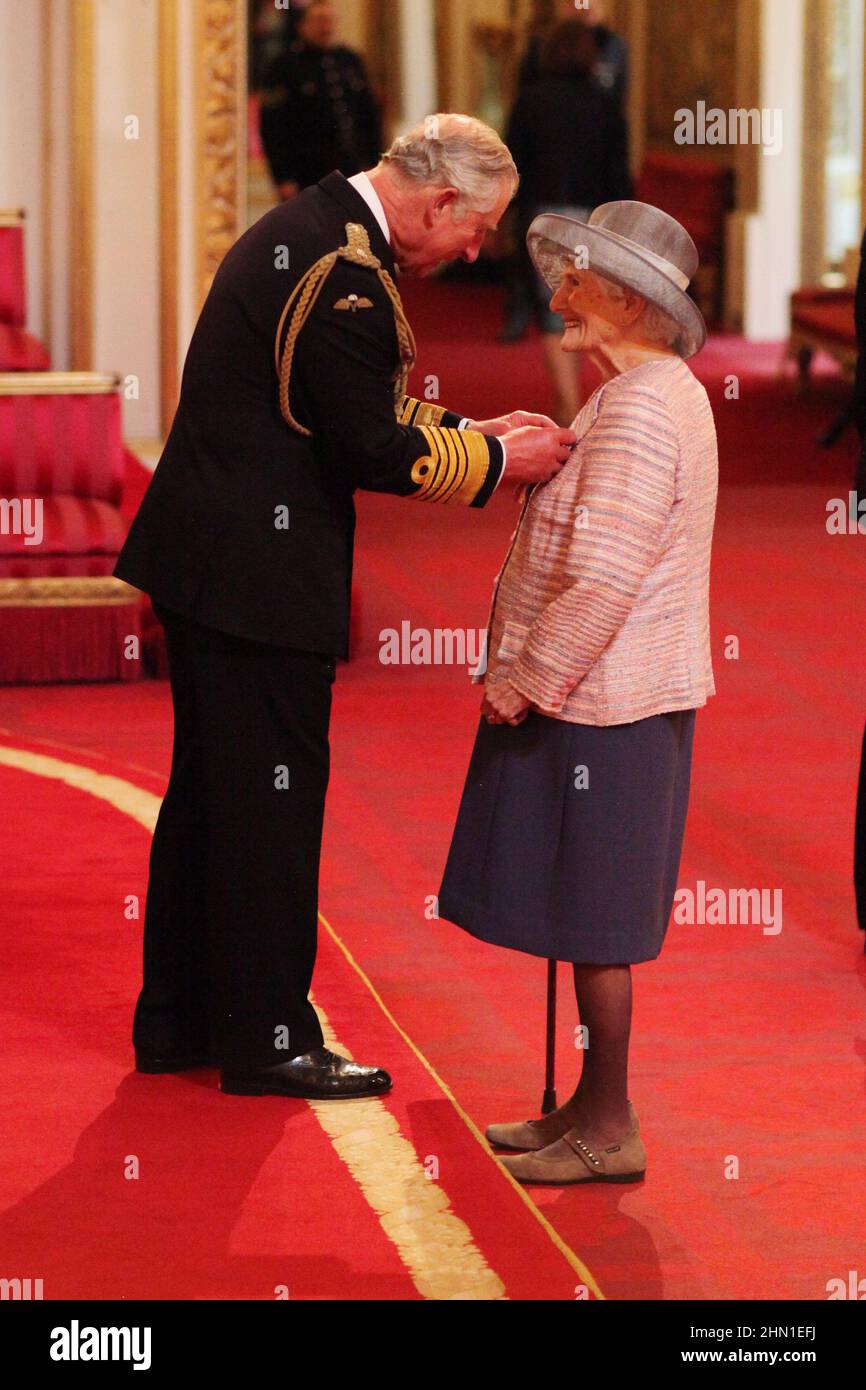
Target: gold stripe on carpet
(565, 1250)
(434, 1244)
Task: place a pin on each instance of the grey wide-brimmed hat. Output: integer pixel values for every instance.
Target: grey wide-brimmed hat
(632, 244)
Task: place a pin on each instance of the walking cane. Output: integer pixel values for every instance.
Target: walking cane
(549, 1101)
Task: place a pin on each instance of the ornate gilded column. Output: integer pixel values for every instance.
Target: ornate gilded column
(632, 22)
(45, 76)
(446, 52)
(169, 136)
(747, 85)
(383, 51)
(81, 297)
(816, 127)
(221, 132)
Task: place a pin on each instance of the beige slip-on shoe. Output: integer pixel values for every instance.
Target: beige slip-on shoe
(530, 1136)
(571, 1160)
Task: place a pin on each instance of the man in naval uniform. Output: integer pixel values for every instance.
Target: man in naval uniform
(292, 398)
(318, 111)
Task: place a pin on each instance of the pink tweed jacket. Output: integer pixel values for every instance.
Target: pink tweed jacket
(601, 610)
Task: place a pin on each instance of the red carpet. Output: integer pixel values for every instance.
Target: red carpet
(746, 1046)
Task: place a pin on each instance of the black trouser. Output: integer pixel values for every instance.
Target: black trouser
(231, 920)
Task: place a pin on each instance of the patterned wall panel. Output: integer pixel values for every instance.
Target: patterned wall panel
(690, 57)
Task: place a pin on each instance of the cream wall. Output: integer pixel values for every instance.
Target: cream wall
(352, 22)
(56, 138)
(126, 204)
(418, 64)
(21, 127)
(772, 235)
(186, 287)
(35, 173)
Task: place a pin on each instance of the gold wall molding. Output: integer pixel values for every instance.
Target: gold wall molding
(221, 132)
(169, 211)
(446, 54)
(818, 20)
(67, 592)
(466, 30)
(719, 61)
(690, 62)
(676, 60)
(46, 64)
(634, 22)
(58, 383)
(81, 296)
(383, 55)
(747, 87)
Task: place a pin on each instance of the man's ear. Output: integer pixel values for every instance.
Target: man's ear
(443, 202)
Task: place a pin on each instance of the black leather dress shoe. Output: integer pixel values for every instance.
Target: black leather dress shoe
(316, 1075)
(153, 1065)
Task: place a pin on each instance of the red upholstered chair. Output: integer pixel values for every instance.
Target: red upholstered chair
(823, 320)
(62, 616)
(699, 193)
(19, 350)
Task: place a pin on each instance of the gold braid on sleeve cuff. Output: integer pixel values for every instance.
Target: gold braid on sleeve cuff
(456, 467)
(412, 412)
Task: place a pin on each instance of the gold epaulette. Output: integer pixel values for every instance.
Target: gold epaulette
(302, 301)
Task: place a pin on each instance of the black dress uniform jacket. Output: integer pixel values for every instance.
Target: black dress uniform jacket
(248, 525)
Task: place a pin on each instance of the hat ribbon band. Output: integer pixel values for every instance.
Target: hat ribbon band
(668, 268)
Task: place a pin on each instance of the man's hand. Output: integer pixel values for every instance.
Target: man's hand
(502, 704)
(535, 455)
(503, 423)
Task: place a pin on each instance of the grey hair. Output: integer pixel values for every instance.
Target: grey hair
(658, 326)
(453, 151)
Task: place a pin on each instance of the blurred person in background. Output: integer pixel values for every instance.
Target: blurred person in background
(318, 110)
(270, 31)
(568, 140)
(610, 72)
(611, 68)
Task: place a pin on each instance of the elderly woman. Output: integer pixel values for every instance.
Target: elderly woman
(568, 838)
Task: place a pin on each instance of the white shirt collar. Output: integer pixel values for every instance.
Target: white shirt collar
(362, 184)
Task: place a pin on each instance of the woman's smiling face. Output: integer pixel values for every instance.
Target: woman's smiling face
(591, 318)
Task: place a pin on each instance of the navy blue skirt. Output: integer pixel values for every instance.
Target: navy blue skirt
(568, 837)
